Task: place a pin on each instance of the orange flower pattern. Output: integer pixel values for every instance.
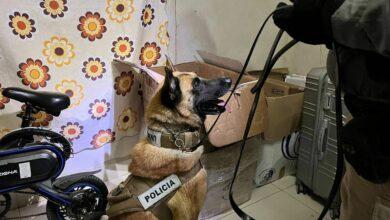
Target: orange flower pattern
(93, 68)
(127, 119)
(123, 83)
(99, 109)
(120, 10)
(163, 35)
(92, 26)
(58, 50)
(72, 130)
(41, 118)
(22, 25)
(34, 73)
(3, 99)
(122, 48)
(150, 53)
(73, 89)
(147, 15)
(68, 47)
(102, 137)
(54, 8)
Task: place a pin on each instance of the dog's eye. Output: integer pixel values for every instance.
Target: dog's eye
(196, 83)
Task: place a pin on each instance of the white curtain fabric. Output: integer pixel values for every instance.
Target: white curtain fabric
(68, 47)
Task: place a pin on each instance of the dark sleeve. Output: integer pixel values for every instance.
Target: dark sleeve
(363, 24)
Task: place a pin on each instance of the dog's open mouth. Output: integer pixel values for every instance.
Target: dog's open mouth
(212, 107)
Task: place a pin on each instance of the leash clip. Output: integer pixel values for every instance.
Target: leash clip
(179, 143)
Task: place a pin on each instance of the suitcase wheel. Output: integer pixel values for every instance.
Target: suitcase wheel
(301, 188)
(334, 213)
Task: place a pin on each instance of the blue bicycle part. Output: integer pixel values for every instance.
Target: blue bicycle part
(90, 196)
(22, 167)
(33, 158)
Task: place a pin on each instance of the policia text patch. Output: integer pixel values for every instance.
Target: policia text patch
(159, 191)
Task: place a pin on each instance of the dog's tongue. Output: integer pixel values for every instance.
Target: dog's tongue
(221, 103)
(213, 107)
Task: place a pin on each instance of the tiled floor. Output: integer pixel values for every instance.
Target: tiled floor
(275, 201)
(278, 201)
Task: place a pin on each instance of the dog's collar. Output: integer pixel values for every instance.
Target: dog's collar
(184, 141)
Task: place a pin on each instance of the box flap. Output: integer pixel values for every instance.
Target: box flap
(224, 62)
(274, 87)
(155, 76)
(209, 71)
(284, 115)
(189, 67)
(276, 73)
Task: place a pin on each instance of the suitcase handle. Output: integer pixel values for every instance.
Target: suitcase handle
(322, 141)
(328, 101)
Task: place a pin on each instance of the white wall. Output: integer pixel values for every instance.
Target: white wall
(228, 27)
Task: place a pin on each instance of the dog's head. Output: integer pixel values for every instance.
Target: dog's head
(187, 92)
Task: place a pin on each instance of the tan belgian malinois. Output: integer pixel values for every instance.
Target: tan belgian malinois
(167, 180)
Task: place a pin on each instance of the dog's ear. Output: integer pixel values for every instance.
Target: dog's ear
(169, 63)
(170, 92)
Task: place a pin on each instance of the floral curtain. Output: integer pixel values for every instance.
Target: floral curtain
(68, 46)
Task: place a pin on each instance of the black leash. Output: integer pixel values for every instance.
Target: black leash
(271, 60)
(242, 73)
(256, 89)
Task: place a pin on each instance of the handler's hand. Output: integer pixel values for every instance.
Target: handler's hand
(308, 21)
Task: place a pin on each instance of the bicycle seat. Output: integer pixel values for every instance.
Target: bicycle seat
(50, 102)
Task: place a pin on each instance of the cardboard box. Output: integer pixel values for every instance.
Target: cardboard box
(276, 87)
(277, 73)
(220, 167)
(283, 100)
(217, 198)
(277, 115)
(284, 107)
(231, 125)
(272, 164)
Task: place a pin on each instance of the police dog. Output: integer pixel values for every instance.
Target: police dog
(182, 103)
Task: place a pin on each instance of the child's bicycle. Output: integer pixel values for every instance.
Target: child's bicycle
(33, 158)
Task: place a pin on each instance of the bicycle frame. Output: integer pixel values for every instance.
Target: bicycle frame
(28, 162)
(40, 187)
(48, 188)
